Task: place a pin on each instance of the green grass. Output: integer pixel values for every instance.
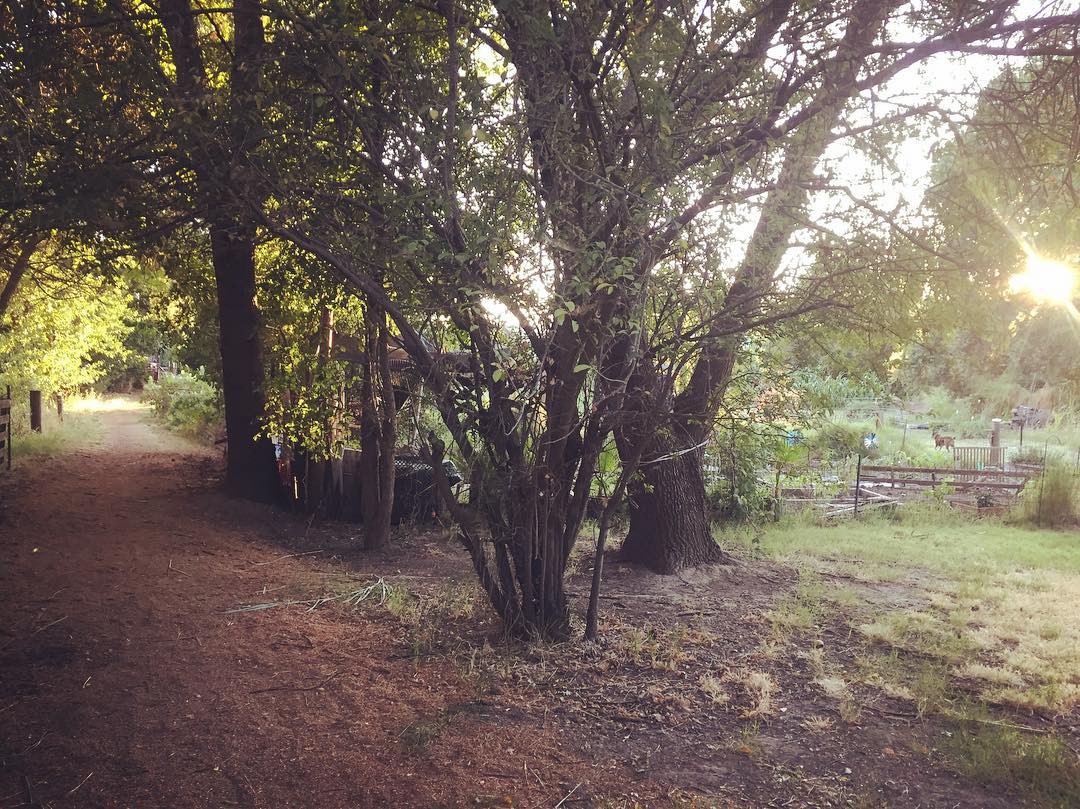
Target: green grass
(56, 438)
(992, 622)
(991, 627)
(1041, 765)
(941, 544)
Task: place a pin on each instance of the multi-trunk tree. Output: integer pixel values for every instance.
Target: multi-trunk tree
(626, 129)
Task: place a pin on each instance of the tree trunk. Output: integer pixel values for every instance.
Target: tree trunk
(378, 433)
(15, 274)
(669, 526)
(657, 519)
(251, 469)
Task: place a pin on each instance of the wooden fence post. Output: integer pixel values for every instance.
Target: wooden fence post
(858, 484)
(5, 428)
(35, 411)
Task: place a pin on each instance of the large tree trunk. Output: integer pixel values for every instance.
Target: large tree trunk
(669, 525)
(378, 433)
(657, 519)
(251, 469)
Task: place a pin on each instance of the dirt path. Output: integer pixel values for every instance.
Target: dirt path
(124, 681)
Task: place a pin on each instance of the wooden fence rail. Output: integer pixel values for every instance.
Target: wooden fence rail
(1026, 473)
(958, 479)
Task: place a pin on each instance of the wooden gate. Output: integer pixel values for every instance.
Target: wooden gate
(5, 430)
(979, 457)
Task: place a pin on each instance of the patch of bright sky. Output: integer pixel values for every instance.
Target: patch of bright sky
(951, 81)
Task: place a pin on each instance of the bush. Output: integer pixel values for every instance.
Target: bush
(838, 441)
(187, 404)
(737, 492)
(1031, 454)
(1053, 499)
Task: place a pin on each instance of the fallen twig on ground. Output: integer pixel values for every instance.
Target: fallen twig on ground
(286, 556)
(315, 687)
(178, 570)
(351, 598)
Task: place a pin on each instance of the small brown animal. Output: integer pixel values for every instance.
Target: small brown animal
(946, 441)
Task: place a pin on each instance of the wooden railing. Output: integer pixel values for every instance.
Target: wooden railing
(5, 430)
(979, 457)
(958, 479)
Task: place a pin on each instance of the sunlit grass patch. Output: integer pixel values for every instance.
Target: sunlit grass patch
(657, 650)
(947, 544)
(921, 632)
(1052, 698)
(993, 605)
(714, 690)
(58, 437)
(105, 403)
(843, 596)
(761, 689)
(834, 687)
(801, 610)
(818, 724)
(994, 675)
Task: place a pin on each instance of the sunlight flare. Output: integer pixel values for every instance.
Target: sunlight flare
(1045, 280)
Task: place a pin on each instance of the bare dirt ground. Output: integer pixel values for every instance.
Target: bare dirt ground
(125, 680)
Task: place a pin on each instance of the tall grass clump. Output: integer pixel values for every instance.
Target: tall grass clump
(1052, 500)
(1044, 767)
(186, 403)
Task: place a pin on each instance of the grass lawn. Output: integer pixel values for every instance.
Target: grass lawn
(999, 604)
(974, 621)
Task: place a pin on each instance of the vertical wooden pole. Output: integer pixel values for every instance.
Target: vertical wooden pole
(60, 407)
(1042, 483)
(7, 428)
(858, 483)
(35, 411)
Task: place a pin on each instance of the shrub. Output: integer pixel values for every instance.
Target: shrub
(838, 440)
(1052, 499)
(1029, 454)
(186, 403)
(737, 492)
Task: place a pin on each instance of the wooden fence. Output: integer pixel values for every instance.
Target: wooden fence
(979, 457)
(5, 430)
(961, 480)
